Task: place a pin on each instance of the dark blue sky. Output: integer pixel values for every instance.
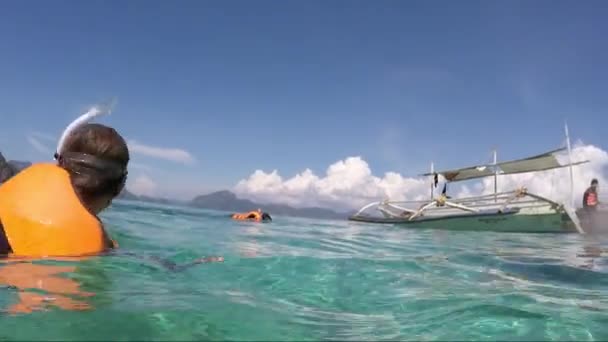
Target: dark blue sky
(289, 85)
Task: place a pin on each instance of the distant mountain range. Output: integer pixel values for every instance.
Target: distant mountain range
(219, 200)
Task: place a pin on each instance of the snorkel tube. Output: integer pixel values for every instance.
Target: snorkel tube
(92, 113)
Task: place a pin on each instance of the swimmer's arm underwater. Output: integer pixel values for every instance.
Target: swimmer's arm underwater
(167, 264)
(173, 266)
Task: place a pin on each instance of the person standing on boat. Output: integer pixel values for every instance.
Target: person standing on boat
(590, 200)
(590, 204)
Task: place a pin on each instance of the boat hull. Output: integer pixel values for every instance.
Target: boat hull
(552, 222)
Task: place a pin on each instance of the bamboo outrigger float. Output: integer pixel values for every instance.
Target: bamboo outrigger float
(517, 210)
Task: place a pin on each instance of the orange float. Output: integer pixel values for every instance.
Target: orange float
(43, 217)
(254, 215)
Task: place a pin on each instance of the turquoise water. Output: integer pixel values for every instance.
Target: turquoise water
(304, 279)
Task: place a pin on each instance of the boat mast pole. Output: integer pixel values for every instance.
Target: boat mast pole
(495, 178)
(432, 179)
(571, 212)
(570, 166)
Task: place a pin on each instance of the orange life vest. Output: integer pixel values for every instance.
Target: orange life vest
(42, 216)
(592, 199)
(257, 216)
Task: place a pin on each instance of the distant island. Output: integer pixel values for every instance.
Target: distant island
(10, 168)
(129, 196)
(228, 201)
(225, 200)
(220, 200)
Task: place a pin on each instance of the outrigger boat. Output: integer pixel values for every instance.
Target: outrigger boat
(517, 210)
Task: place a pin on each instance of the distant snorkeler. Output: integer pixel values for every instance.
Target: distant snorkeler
(254, 215)
(50, 209)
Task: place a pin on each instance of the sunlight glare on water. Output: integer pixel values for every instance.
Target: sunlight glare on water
(304, 279)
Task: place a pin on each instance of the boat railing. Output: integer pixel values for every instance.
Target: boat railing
(474, 204)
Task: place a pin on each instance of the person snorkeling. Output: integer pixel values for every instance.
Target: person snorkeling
(50, 209)
(254, 215)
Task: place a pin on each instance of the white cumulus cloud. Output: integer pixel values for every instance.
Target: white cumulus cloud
(172, 154)
(349, 183)
(142, 185)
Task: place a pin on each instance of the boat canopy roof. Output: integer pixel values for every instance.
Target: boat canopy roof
(541, 162)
